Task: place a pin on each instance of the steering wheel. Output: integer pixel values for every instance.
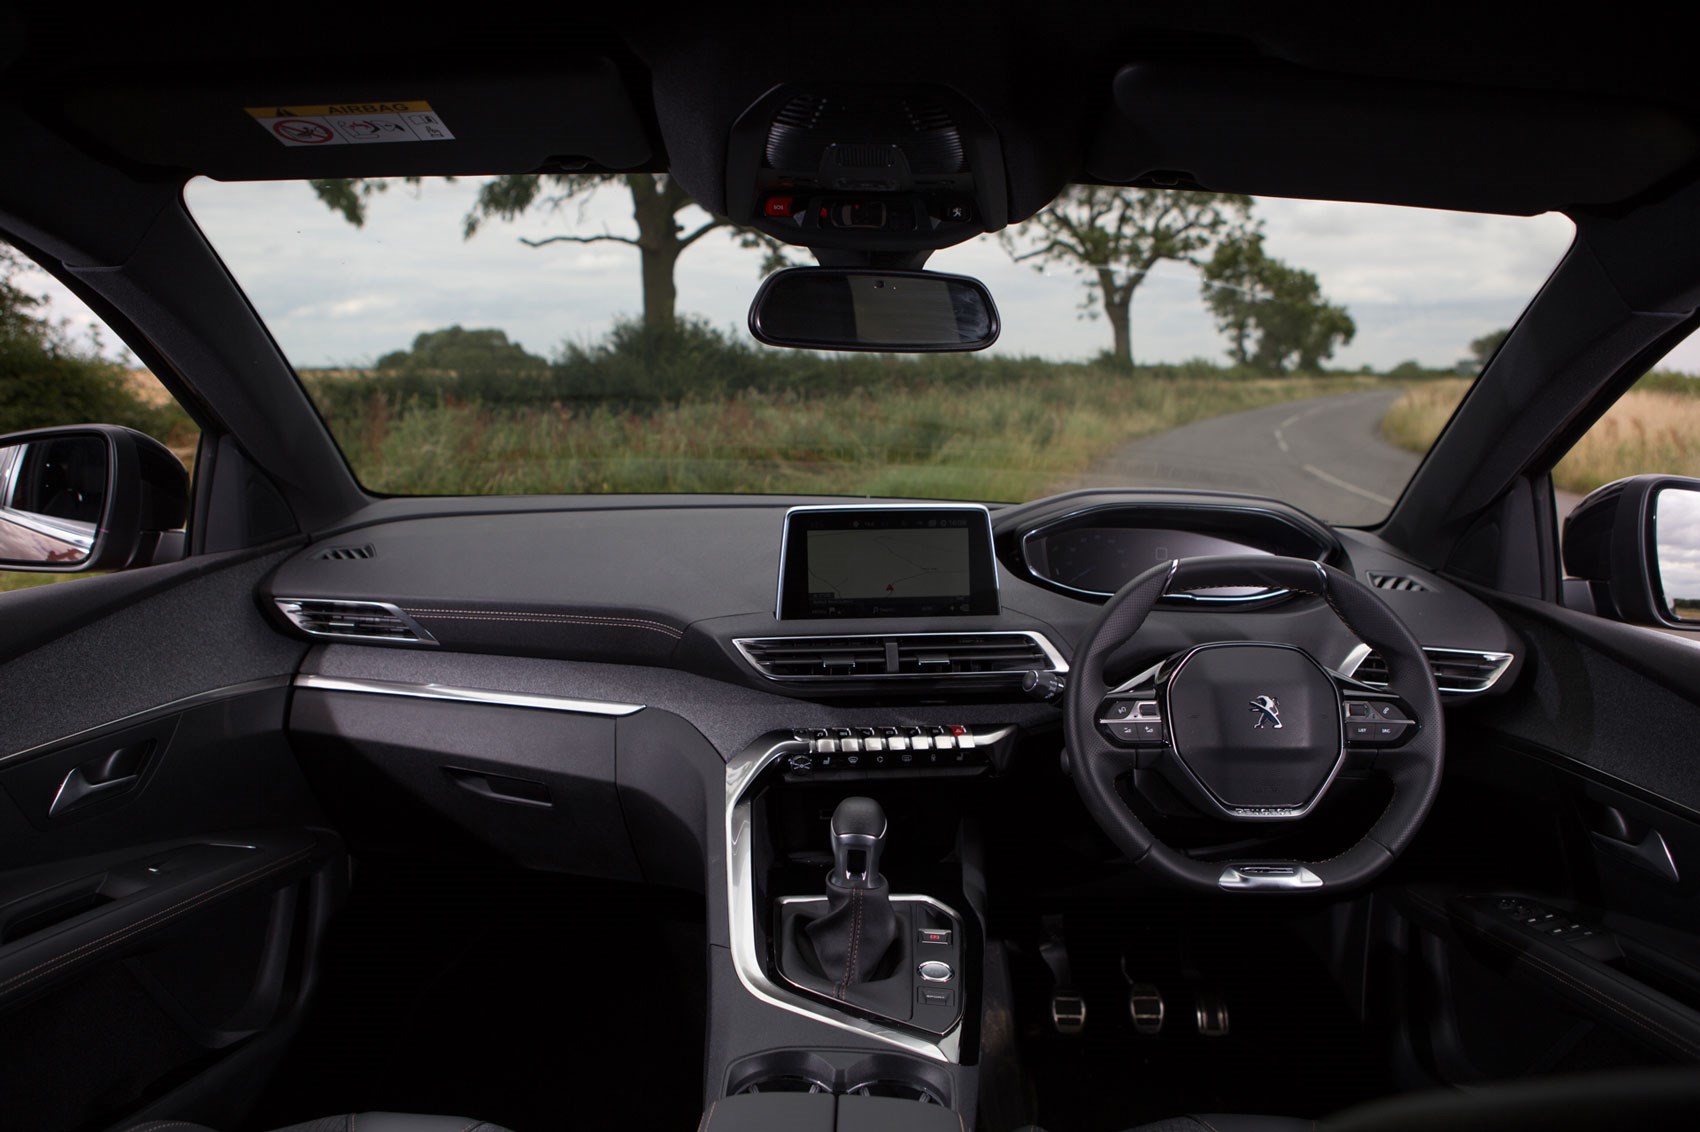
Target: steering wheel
(1252, 731)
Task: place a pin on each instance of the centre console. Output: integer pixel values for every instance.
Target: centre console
(853, 912)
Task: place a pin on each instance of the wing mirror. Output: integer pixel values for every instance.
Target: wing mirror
(1636, 542)
(92, 497)
(904, 312)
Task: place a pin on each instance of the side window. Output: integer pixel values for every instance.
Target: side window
(60, 365)
(1654, 427)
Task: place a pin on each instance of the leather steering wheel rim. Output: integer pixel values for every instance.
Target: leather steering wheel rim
(1414, 766)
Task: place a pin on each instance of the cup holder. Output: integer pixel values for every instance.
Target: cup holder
(845, 1072)
(782, 1083)
(903, 1090)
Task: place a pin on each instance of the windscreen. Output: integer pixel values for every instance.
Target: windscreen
(570, 334)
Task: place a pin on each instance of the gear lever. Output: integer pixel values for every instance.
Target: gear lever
(859, 926)
(858, 837)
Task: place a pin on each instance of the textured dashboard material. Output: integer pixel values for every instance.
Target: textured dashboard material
(669, 582)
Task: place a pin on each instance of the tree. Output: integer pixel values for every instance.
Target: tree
(1114, 236)
(454, 350)
(1484, 348)
(1273, 314)
(657, 201)
(48, 379)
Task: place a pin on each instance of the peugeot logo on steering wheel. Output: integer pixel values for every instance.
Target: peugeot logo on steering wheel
(1267, 709)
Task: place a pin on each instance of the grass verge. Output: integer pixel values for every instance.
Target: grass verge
(1655, 427)
(1005, 440)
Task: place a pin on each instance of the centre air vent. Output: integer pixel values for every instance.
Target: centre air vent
(375, 622)
(901, 656)
(1456, 671)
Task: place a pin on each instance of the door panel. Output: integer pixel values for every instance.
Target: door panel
(164, 871)
(1561, 870)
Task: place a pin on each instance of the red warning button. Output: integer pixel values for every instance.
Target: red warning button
(779, 206)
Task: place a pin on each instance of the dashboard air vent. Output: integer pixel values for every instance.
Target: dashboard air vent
(1456, 671)
(1396, 582)
(345, 553)
(900, 655)
(374, 622)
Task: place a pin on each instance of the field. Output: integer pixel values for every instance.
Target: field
(1655, 427)
(1001, 440)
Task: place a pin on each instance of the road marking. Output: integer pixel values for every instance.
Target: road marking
(1281, 440)
(1344, 486)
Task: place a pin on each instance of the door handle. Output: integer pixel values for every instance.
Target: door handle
(109, 775)
(1639, 844)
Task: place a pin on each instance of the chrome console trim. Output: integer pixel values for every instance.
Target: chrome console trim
(741, 773)
(459, 695)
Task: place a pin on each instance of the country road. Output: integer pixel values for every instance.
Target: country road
(1324, 456)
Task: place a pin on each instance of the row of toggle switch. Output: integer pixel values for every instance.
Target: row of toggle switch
(849, 740)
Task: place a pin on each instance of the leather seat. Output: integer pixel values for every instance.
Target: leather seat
(350, 1122)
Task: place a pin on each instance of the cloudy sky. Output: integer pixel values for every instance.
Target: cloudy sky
(1420, 284)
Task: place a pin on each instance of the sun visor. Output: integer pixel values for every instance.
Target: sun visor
(1278, 132)
(578, 115)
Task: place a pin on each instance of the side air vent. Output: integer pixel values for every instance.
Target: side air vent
(900, 656)
(374, 622)
(1456, 671)
(345, 553)
(1396, 582)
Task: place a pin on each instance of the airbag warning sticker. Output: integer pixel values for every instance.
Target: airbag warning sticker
(351, 123)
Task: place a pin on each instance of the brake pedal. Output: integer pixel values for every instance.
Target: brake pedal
(1068, 1008)
(1212, 1011)
(1144, 1003)
(1145, 1007)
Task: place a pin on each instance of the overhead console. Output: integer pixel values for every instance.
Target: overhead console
(842, 168)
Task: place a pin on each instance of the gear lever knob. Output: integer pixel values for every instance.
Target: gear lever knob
(858, 836)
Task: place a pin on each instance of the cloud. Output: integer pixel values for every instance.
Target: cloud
(1419, 283)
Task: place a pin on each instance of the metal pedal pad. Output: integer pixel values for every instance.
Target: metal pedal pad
(1212, 1012)
(1068, 1012)
(1145, 1007)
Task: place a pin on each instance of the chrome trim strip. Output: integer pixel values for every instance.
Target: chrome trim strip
(1350, 662)
(741, 773)
(459, 695)
(290, 607)
(1269, 878)
(1500, 661)
(785, 536)
(159, 711)
(1052, 656)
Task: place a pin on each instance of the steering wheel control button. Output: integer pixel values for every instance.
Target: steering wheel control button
(935, 971)
(1116, 709)
(940, 936)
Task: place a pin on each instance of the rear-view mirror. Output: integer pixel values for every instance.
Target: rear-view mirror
(829, 308)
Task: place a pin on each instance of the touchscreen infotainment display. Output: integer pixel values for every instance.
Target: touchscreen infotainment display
(887, 562)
